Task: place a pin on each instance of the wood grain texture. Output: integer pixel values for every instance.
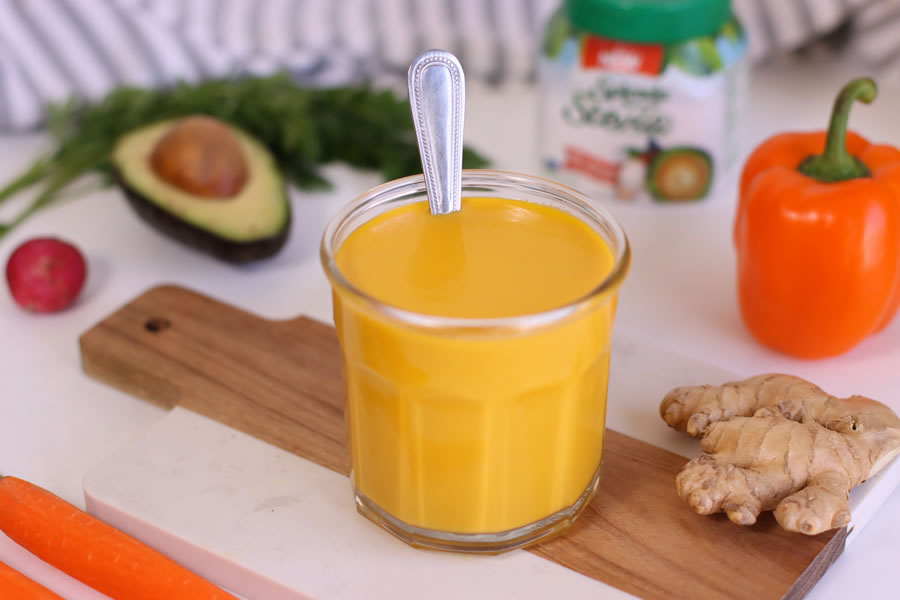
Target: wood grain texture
(281, 382)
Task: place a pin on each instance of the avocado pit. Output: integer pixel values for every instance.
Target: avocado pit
(201, 156)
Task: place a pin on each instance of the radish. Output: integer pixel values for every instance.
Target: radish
(45, 274)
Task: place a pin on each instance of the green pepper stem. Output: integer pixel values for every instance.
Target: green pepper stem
(836, 164)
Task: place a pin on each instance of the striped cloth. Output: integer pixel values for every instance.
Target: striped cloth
(51, 50)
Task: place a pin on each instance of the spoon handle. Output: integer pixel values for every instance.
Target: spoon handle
(437, 98)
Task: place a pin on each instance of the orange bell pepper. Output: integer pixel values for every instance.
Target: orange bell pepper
(817, 235)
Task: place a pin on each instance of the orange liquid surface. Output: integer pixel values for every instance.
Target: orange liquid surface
(475, 433)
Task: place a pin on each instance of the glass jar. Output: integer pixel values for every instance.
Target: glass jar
(475, 434)
(640, 98)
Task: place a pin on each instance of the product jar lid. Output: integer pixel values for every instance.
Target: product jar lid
(649, 21)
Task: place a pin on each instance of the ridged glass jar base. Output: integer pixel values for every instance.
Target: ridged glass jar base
(484, 543)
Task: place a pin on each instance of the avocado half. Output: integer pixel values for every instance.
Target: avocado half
(251, 224)
(680, 174)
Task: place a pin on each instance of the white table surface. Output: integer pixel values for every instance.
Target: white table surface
(56, 424)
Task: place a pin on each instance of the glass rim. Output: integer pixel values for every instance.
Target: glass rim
(474, 177)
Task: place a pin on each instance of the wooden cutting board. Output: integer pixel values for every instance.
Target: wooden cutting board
(280, 382)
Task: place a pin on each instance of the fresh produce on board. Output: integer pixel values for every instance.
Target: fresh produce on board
(475, 343)
(777, 442)
(817, 234)
(94, 553)
(301, 128)
(45, 275)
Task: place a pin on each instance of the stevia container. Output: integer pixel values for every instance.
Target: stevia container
(640, 98)
(475, 434)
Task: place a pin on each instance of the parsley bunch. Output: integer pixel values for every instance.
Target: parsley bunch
(303, 128)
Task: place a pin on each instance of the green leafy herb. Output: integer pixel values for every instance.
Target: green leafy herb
(304, 129)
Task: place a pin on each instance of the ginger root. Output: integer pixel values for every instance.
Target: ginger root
(778, 442)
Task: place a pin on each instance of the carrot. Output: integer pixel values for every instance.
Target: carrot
(15, 585)
(97, 554)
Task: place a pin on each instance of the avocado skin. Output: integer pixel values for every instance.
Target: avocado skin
(201, 239)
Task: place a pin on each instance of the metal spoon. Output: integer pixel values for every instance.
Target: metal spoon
(438, 101)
